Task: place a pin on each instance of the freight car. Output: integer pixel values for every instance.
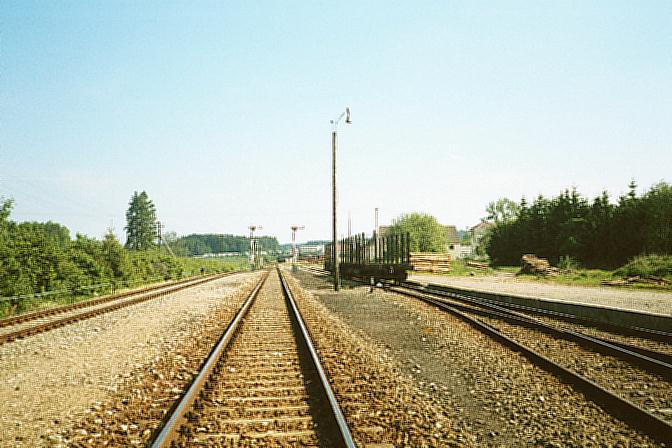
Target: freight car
(380, 258)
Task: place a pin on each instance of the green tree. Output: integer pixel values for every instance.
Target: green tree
(502, 210)
(140, 223)
(116, 257)
(656, 207)
(425, 232)
(597, 233)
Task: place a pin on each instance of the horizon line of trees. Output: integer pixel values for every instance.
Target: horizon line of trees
(142, 234)
(595, 233)
(215, 243)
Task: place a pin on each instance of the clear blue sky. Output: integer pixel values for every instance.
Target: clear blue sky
(220, 110)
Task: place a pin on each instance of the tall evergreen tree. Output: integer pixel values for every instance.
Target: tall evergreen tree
(140, 222)
(597, 234)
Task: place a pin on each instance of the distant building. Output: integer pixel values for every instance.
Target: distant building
(453, 244)
(479, 231)
(315, 249)
(383, 230)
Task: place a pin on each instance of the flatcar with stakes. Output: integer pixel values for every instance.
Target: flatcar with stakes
(380, 258)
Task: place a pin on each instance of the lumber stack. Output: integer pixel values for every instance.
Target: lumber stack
(531, 264)
(647, 280)
(430, 262)
(478, 265)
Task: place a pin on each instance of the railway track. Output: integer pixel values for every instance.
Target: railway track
(655, 345)
(18, 327)
(626, 384)
(632, 382)
(613, 330)
(262, 384)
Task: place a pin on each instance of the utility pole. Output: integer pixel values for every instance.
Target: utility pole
(159, 234)
(159, 237)
(337, 277)
(294, 251)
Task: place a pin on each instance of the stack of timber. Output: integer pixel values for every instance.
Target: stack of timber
(478, 265)
(531, 264)
(430, 262)
(647, 280)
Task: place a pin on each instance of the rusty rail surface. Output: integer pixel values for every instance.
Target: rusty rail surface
(175, 430)
(652, 361)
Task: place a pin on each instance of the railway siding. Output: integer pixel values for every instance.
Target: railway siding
(505, 400)
(633, 308)
(27, 325)
(52, 382)
(380, 404)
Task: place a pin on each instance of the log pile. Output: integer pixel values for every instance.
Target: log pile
(430, 262)
(531, 264)
(477, 265)
(646, 280)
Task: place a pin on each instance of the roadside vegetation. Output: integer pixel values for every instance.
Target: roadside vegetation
(644, 266)
(626, 243)
(424, 231)
(594, 234)
(42, 265)
(592, 242)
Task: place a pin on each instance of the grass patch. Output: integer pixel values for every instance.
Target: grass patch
(581, 277)
(651, 265)
(648, 265)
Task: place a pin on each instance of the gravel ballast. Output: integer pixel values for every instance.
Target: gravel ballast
(384, 408)
(48, 382)
(381, 405)
(502, 398)
(657, 302)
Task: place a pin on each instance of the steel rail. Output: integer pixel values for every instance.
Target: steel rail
(168, 431)
(656, 362)
(628, 331)
(342, 436)
(645, 333)
(22, 318)
(41, 328)
(651, 360)
(619, 407)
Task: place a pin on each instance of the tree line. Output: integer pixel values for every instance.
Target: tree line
(595, 233)
(212, 243)
(37, 257)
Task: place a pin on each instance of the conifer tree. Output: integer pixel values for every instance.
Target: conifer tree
(140, 222)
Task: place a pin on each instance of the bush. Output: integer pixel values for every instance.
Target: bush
(655, 265)
(568, 263)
